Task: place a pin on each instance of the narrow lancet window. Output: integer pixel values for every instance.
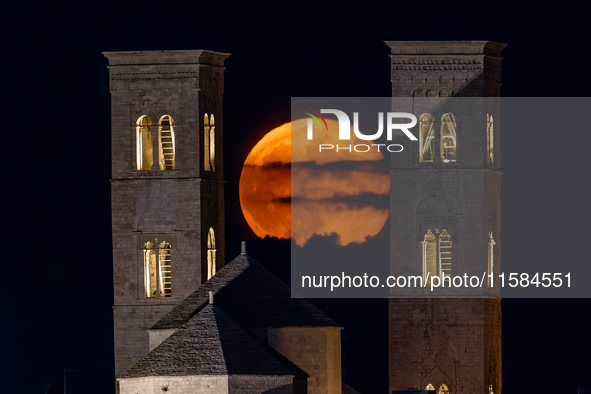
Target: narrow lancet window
(157, 270)
(150, 264)
(437, 255)
(427, 136)
(209, 142)
(490, 139)
(211, 254)
(212, 143)
(165, 276)
(445, 253)
(448, 138)
(166, 143)
(491, 258)
(144, 149)
(429, 256)
(207, 164)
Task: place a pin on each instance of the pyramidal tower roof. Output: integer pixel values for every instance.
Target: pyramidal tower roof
(252, 296)
(211, 343)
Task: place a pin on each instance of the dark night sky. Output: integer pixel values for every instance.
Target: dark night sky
(56, 259)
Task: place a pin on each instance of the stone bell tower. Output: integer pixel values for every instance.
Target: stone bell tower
(445, 216)
(167, 187)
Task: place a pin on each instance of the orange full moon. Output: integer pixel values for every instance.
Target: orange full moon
(269, 181)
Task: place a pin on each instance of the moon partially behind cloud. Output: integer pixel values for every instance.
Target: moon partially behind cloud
(290, 189)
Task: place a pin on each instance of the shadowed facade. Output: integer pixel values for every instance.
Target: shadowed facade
(445, 214)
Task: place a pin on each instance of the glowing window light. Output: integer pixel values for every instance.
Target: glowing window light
(429, 256)
(166, 143)
(164, 266)
(157, 270)
(448, 138)
(490, 139)
(426, 138)
(445, 256)
(443, 389)
(437, 255)
(491, 257)
(206, 137)
(211, 254)
(212, 143)
(150, 270)
(144, 143)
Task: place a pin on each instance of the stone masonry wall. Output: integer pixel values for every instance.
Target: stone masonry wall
(316, 350)
(456, 342)
(178, 205)
(216, 384)
(248, 384)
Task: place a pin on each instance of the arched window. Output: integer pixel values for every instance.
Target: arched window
(429, 256)
(157, 270)
(430, 387)
(490, 139)
(206, 142)
(151, 285)
(491, 258)
(166, 143)
(445, 253)
(448, 138)
(211, 254)
(145, 152)
(427, 138)
(209, 142)
(437, 254)
(212, 143)
(443, 389)
(165, 276)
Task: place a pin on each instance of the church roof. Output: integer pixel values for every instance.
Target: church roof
(346, 389)
(210, 343)
(252, 296)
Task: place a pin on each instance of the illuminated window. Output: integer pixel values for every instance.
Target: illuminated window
(165, 273)
(443, 389)
(437, 254)
(427, 137)
(166, 143)
(209, 142)
(491, 257)
(150, 264)
(448, 138)
(206, 142)
(144, 148)
(445, 253)
(430, 387)
(157, 272)
(211, 254)
(429, 256)
(490, 139)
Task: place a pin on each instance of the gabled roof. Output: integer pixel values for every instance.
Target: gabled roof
(252, 296)
(210, 343)
(346, 389)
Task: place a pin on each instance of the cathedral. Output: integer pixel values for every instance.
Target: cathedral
(185, 321)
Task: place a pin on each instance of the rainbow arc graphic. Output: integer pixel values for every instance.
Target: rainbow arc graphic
(316, 117)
